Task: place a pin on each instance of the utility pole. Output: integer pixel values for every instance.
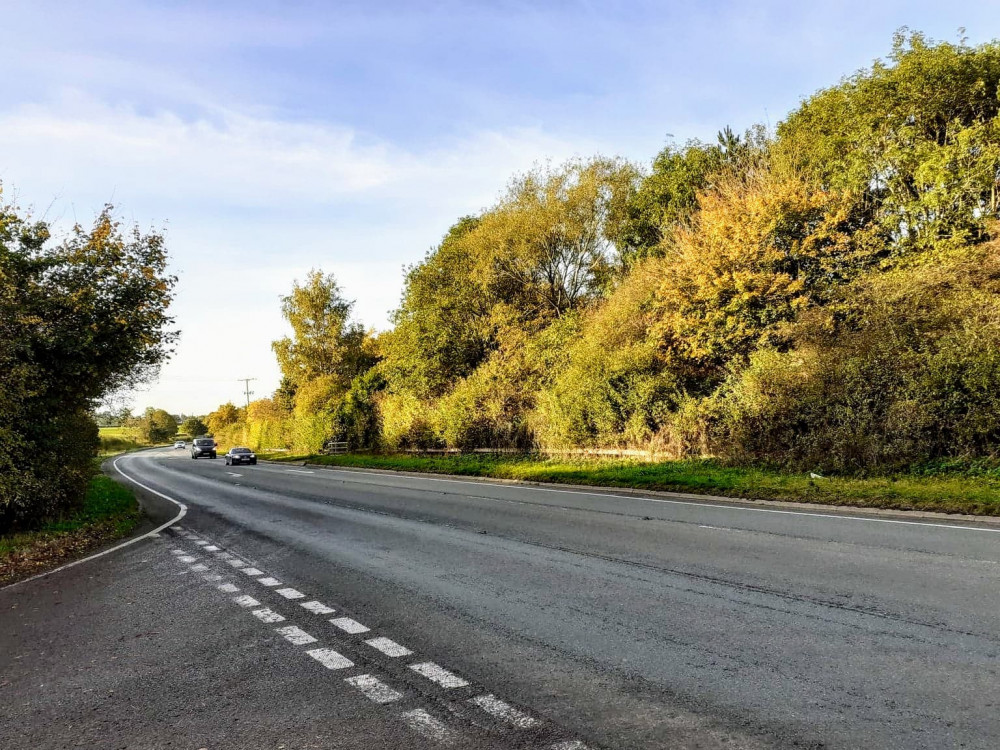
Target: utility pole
(246, 387)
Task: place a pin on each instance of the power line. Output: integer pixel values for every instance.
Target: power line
(246, 386)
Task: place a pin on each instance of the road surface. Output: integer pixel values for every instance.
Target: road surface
(299, 607)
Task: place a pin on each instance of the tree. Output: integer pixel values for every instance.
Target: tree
(79, 320)
(193, 426)
(155, 426)
(666, 198)
(227, 414)
(916, 141)
(324, 341)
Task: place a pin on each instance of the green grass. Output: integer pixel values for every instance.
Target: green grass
(116, 440)
(109, 511)
(947, 491)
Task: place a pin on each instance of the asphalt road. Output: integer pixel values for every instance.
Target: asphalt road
(298, 607)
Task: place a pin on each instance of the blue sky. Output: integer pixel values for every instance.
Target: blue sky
(269, 138)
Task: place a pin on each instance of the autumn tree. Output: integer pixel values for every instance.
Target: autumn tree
(154, 426)
(79, 320)
(194, 427)
(916, 139)
(324, 341)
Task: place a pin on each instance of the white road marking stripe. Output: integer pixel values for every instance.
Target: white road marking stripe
(318, 608)
(186, 559)
(177, 528)
(437, 674)
(423, 723)
(389, 647)
(211, 548)
(246, 601)
(269, 581)
(253, 572)
(696, 503)
(330, 658)
(177, 552)
(568, 745)
(348, 625)
(374, 689)
(296, 635)
(228, 588)
(299, 471)
(267, 615)
(199, 568)
(236, 563)
(212, 577)
(201, 542)
(153, 534)
(503, 711)
(291, 594)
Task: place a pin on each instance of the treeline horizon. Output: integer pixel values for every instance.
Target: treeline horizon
(826, 295)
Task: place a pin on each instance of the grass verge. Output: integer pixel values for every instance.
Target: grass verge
(944, 493)
(116, 440)
(109, 512)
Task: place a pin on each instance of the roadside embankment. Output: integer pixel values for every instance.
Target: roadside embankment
(945, 492)
(109, 511)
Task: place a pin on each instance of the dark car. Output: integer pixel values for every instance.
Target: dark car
(203, 446)
(241, 456)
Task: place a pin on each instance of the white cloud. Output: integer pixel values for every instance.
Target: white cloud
(250, 204)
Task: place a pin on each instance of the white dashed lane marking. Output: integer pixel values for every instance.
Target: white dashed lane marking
(568, 745)
(370, 686)
(374, 689)
(267, 615)
(348, 625)
(423, 723)
(330, 658)
(503, 711)
(295, 635)
(389, 647)
(177, 528)
(437, 674)
(299, 471)
(318, 608)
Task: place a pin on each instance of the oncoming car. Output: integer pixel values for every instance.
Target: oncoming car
(241, 456)
(203, 446)
(179, 445)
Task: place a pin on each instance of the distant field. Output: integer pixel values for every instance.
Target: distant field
(116, 440)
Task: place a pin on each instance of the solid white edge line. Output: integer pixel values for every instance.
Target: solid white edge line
(735, 506)
(123, 545)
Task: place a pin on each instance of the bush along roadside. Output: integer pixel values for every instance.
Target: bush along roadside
(109, 511)
(945, 492)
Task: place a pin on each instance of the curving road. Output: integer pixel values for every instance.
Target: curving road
(305, 607)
